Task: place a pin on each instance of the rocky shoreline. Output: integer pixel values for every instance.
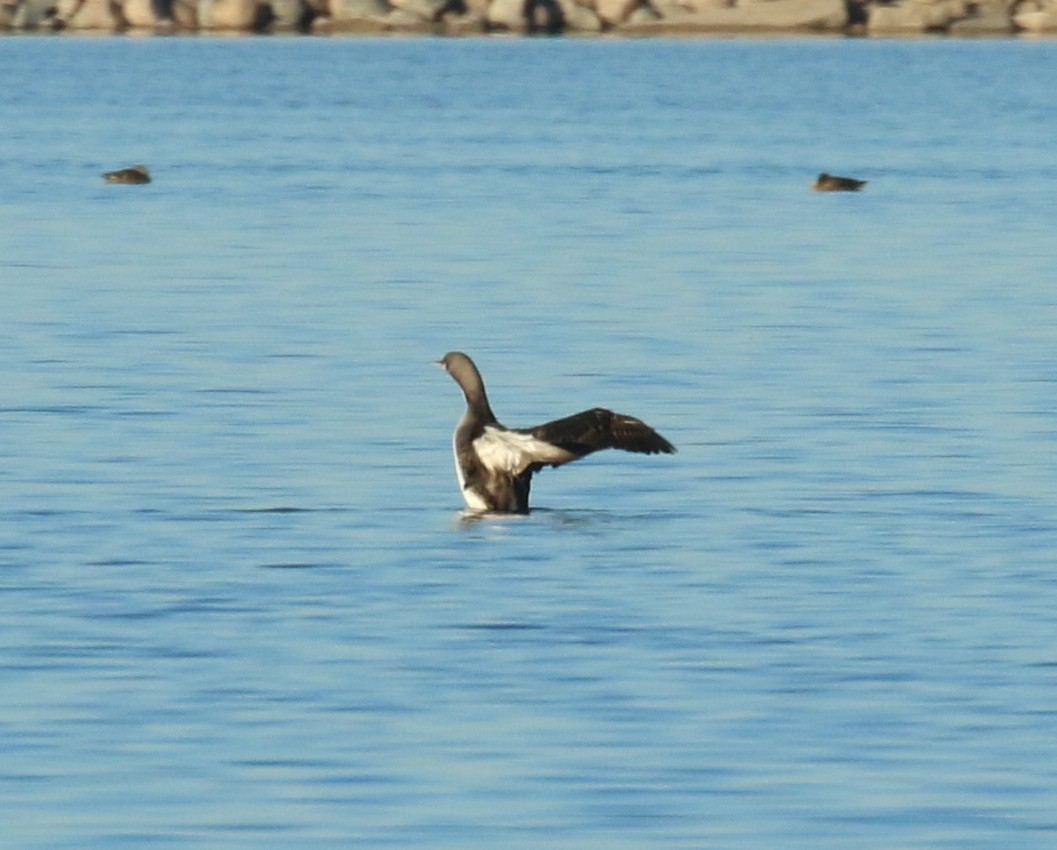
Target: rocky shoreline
(466, 17)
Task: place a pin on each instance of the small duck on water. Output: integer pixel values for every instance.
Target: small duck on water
(832, 183)
(494, 464)
(133, 174)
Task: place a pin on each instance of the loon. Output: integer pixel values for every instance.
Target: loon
(495, 464)
(133, 174)
(832, 183)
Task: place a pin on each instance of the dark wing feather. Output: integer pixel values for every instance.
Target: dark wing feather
(598, 428)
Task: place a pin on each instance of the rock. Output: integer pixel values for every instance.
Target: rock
(541, 16)
(643, 15)
(615, 11)
(138, 14)
(632, 17)
(27, 14)
(86, 15)
(356, 16)
(904, 17)
(423, 10)
(667, 10)
(1036, 17)
(243, 15)
(578, 18)
(983, 18)
(915, 16)
(462, 24)
(813, 15)
(157, 14)
(517, 16)
(401, 20)
(707, 5)
(184, 14)
(290, 14)
(350, 10)
(506, 15)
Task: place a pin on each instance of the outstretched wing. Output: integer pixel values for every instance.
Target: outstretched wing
(582, 433)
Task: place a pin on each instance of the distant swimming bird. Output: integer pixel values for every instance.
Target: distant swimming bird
(832, 183)
(134, 174)
(495, 464)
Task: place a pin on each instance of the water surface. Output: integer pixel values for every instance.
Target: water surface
(240, 607)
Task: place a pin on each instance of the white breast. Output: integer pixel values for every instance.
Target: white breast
(473, 501)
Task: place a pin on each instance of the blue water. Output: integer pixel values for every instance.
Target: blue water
(240, 608)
